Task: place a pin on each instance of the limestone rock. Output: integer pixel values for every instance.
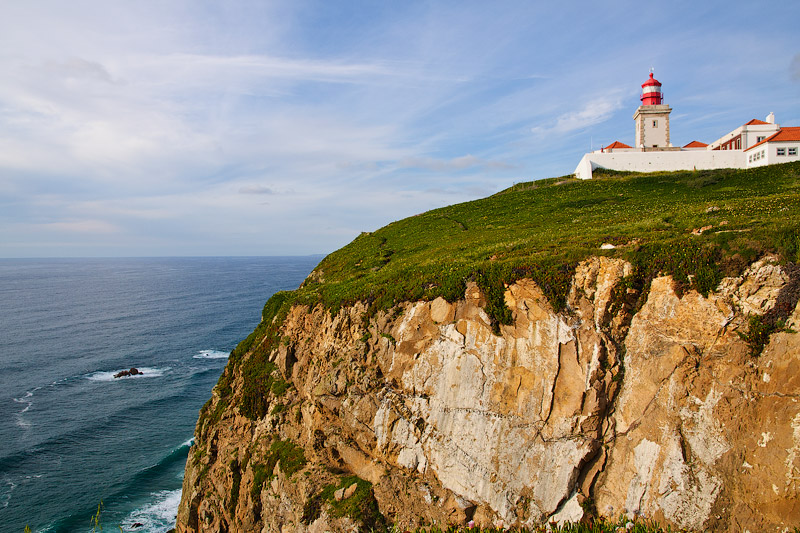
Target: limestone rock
(662, 413)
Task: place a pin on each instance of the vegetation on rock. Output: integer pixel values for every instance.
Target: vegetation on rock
(360, 507)
(696, 226)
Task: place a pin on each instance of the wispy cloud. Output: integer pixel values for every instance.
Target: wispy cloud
(593, 112)
(166, 128)
(454, 164)
(79, 68)
(81, 226)
(256, 189)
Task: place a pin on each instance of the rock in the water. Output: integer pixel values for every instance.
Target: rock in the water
(125, 373)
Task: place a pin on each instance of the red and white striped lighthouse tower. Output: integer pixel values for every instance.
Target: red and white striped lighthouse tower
(651, 92)
(652, 118)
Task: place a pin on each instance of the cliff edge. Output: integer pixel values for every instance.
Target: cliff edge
(525, 399)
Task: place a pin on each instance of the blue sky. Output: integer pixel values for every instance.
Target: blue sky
(280, 128)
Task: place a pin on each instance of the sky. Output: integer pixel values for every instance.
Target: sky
(203, 128)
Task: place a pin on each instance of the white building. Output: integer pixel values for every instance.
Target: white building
(781, 147)
(753, 144)
(747, 135)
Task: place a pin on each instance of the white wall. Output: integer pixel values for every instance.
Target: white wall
(767, 154)
(661, 161)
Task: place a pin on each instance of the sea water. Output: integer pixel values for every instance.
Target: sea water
(71, 434)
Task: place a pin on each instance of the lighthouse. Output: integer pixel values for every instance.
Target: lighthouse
(652, 117)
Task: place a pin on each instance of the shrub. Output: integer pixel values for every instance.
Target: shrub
(361, 507)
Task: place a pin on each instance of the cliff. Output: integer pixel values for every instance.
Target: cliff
(522, 400)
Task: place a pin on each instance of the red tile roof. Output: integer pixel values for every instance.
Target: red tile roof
(616, 144)
(756, 122)
(783, 135)
(696, 144)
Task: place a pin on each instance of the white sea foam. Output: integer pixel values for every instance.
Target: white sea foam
(28, 401)
(5, 497)
(188, 442)
(211, 354)
(145, 372)
(158, 516)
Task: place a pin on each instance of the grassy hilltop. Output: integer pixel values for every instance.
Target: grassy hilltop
(542, 229)
(697, 226)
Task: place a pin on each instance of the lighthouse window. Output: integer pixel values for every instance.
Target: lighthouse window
(655, 123)
(792, 151)
(760, 138)
(781, 151)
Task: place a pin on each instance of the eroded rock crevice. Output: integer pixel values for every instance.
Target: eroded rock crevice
(423, 414)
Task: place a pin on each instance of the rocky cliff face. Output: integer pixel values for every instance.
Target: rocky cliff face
(424, 414)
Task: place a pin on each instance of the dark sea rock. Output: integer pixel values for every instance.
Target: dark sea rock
(126, 373)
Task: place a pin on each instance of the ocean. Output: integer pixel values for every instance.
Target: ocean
(72, 436)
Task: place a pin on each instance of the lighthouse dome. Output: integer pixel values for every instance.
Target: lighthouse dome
(651, 92)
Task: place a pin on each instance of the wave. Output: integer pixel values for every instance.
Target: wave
(144, 372)
(157, 510)
(211, 354)
(28, 401)
(158, 516)
(5, 497)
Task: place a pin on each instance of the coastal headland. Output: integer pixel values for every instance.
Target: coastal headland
(559, 351)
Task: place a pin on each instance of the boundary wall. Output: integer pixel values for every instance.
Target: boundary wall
(660, 161)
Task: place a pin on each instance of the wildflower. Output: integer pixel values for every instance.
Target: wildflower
(628, 526)
(471, 524)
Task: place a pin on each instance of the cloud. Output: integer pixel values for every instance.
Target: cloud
(593, 112)
(454, 164)
(176, 122)
(78, 68)
(210, 67)
(81, 226)
(256, 189)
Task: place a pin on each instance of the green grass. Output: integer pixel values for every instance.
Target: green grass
(543, 229)
(361, 507)
(288, 454)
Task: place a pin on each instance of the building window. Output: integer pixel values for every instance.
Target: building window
(760, 138)
(793, 151)
(750, 159)
(781, 151)
(655, 123)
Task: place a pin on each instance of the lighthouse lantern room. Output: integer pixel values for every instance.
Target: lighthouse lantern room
(651, 92)
(652, 117)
